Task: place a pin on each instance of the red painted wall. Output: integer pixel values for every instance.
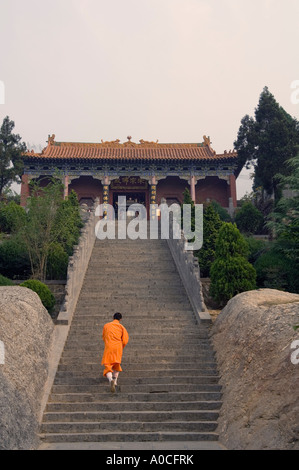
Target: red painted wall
(214, 189)
(87, 187)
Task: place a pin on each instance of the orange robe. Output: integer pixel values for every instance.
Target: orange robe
(115, 337)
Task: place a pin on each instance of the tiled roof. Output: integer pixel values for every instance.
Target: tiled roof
(129, 151)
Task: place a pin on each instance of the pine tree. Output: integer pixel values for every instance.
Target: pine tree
(267, 142)
(11, 150)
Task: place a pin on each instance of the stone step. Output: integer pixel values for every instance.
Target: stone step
(130, 437)
(69, 378)
(148, 388)
(140, 358)
(137, 396)
(135, 366)
(117, 407)
(186, 372)
(93, 342)
(138, 363)
(128, 416)
(129, 426)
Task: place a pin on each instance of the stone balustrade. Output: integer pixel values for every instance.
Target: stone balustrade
(188, 268)
(77, 267)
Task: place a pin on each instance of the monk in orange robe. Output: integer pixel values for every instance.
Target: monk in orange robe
(115, 337)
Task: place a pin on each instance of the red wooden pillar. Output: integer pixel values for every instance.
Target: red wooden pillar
(66, 186)
(232, 189)
(192, 187)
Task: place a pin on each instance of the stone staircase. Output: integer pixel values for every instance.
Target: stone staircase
(168, 390)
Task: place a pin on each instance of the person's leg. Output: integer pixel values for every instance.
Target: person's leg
(116, 370)
(115, 377)
(109, 376)
(108, 372)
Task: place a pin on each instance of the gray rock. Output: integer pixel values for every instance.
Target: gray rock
(253, 337)
(26, 329)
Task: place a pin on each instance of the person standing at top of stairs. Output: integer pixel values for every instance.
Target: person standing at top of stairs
(115, 337)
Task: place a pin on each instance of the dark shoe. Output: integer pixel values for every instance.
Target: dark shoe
(112, 386)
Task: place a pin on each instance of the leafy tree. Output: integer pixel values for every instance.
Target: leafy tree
(267, 142)
(68, 223)
(50, 229)
(231, 273)
(284, 224)
(14, 260)
(10, 215)
(38, 229)
(11, 150)
(284, 219)
(211, 226)
(249, 219)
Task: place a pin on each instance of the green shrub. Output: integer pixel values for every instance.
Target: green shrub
(14, 260)
(231, 273)
(11, 215)
(249, 219)
(223, 214)
(44, 293)
(4, 281)
(275, 271)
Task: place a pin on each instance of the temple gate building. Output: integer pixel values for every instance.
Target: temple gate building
(145, 172)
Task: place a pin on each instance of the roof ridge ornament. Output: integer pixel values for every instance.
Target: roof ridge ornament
(207, 140)
(51, 139)
(147, 142)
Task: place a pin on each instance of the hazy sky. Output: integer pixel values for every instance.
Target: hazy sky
(172, 70)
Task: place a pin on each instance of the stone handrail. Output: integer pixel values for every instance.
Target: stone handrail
(77, 267)
(188, 268)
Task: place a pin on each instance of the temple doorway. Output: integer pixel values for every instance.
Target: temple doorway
(131, 198)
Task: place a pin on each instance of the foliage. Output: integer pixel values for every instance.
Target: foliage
(57, 262)
(266, 142)
(223, 214)
(38, 229)
(11, 150)
(44, 293)
(68, 223)
(256, 248)
(284, 224)
(14, 260)
(211, 226)
(283, 220)
(231, 273)
(11, 215)
(249, 219)
(43, 236)
(275, 271)
(4, 281)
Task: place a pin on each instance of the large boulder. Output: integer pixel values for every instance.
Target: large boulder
(26, 331)
(254, 341)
